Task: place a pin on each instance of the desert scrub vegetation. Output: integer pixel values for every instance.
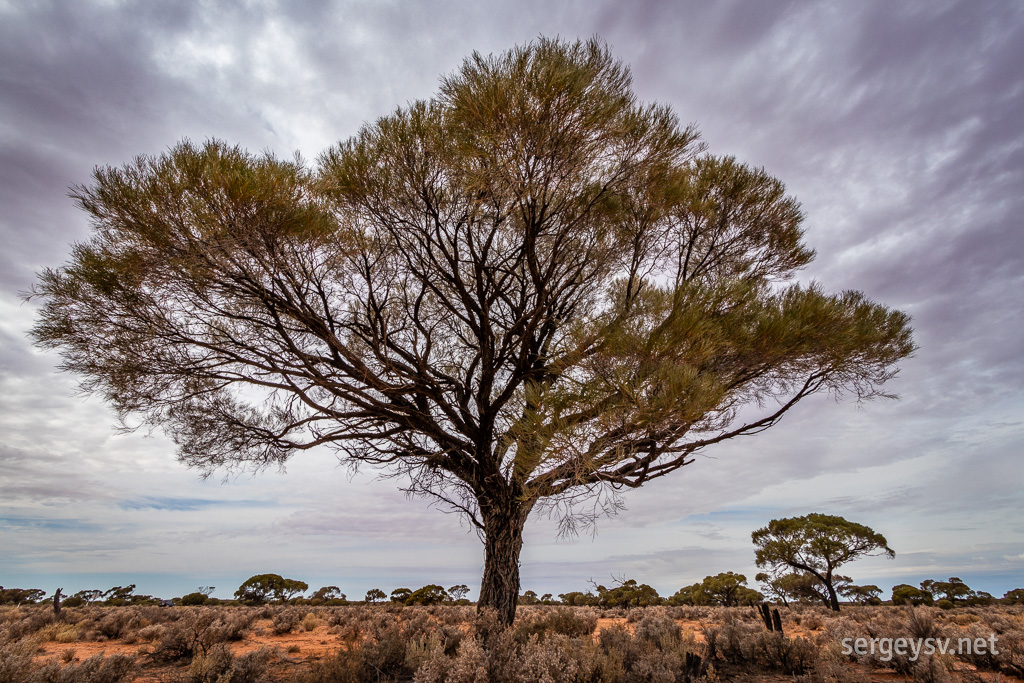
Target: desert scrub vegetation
(388, 642)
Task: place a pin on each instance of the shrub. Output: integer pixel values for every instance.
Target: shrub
(659, 631)
(945, 604)
(775, 651)
(562, 620)
(285, 620)
(193, 599)
(60, 633)
(197, 631)
(96, 669)
(16, 661)
(220, 666)
(310, 622)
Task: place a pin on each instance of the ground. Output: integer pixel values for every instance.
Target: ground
(438, 643)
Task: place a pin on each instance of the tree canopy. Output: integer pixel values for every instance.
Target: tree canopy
(262, 587)
(530, 290)
(727, 589)
(815, 545)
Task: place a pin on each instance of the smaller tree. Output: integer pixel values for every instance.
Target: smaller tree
(953, 590)
(529, 598)
(458, 592)
(328, 594)
(192, 599)
(775, 586)
(727, 589)
(20, 596)
(261, 587)
(818, 545)
(375, 595)
(979, 598)
(88, 596)
(862, 595)
(578, 599)
(428, 595)
(627, 593)
(905, 594)
(119, 595)
(400, 594)
(1014, 597)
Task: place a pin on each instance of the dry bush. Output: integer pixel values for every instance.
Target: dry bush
(220, 666)
(832, 666)
(812, 621)
(777, 652)
(210, 666)
(569, 621)
(309, 622)
(286, 620)
(345, 665)
(932, 669)
(112, 623)
(469, 665)
(197, 630)
(26, 621)
(59, 633)
(392, 650)
(660, 631)
(97, 669)
(151, 633)
(16, 660)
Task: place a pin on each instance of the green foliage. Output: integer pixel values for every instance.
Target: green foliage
(193, 599)
(375, 595)
(628, 594)
(727, 589)
(905, 594)
(816, 544)
(119, 595)
(428, 595)
(330, 595)
(259, 588)
(1014, 597)
(979, 598)
(863, 595)
(579, 599)
(953, 590)
(529, 598)
(944, 604)
(20, 596)
(88, 595)
(458, 592)
(400, 595)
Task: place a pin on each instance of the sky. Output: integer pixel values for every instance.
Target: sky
(898, 126)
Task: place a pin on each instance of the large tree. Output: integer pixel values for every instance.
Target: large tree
(814, 545)
(530, 291)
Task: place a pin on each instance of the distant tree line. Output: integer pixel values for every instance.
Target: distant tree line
(800, 556)
(727, 589)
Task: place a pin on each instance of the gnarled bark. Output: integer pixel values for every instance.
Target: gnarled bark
(503, 541)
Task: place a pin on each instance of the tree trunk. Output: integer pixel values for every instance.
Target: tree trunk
(833, 599)
(503, 541)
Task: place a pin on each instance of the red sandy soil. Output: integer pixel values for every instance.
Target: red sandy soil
(295, 650)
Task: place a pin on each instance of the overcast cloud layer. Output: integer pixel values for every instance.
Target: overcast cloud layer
(899, 126)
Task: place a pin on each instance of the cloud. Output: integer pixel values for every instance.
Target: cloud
(186, 504)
